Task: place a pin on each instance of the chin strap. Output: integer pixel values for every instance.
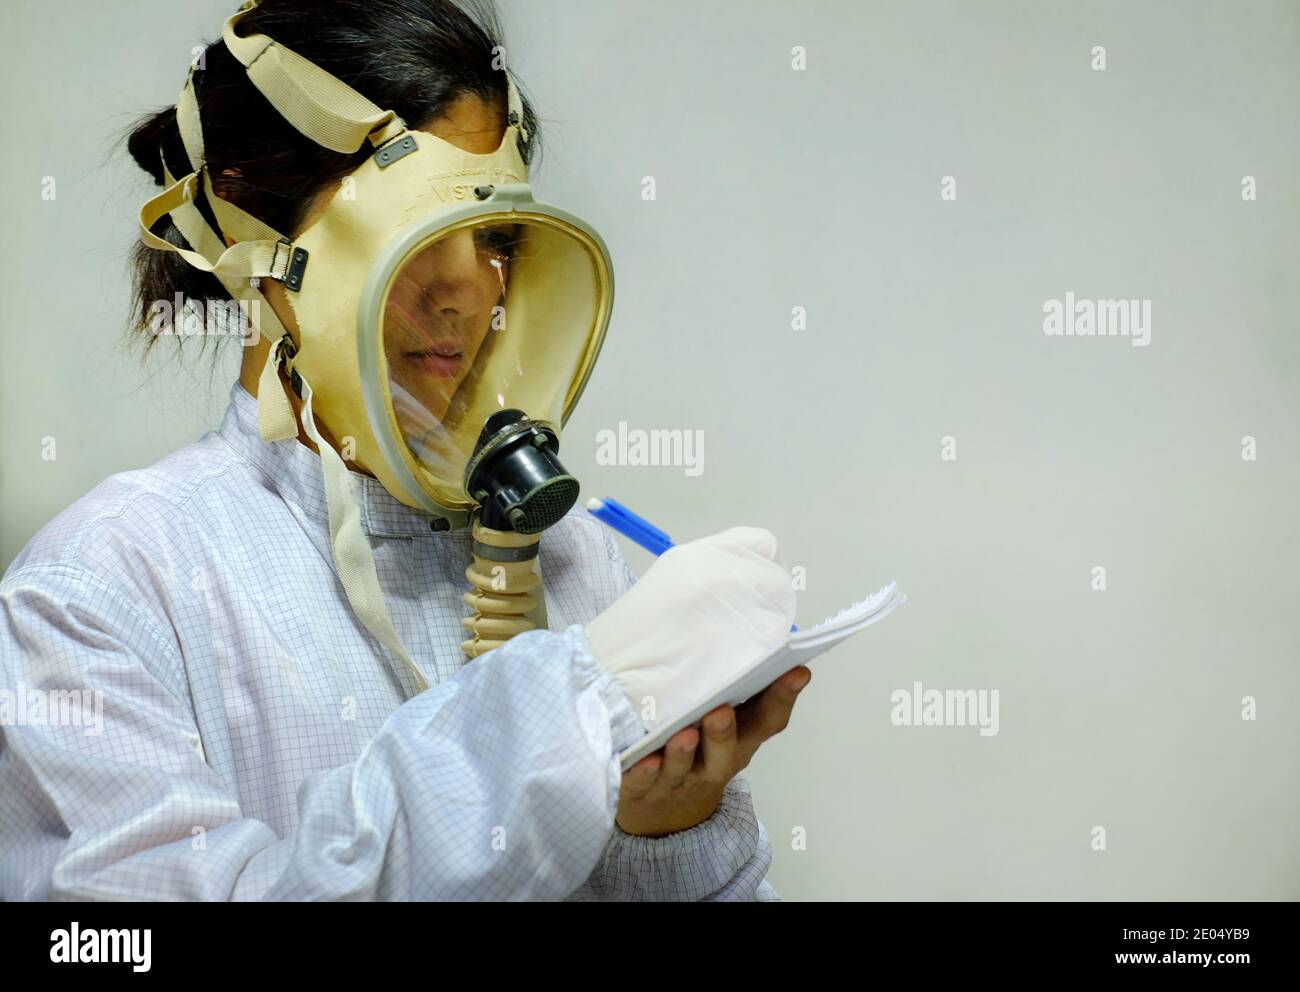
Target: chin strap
(351, 548)
(507, 597)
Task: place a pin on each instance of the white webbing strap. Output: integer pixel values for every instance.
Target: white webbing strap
(275, 417)
(246, 260)
(192, 224)
(187, 121)
(317, 103)
(231, 219)
(276, 420)
(351, 548)
(235, 221)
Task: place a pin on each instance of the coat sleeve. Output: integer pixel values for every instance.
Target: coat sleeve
(114, 799)
(724, 858)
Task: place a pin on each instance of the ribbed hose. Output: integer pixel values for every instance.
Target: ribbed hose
(506, 587)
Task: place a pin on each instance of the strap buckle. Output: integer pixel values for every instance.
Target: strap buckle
(284, 352)
(295, 265)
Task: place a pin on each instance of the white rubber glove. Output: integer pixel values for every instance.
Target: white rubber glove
(700, 615)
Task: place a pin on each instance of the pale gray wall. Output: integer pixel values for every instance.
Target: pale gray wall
(820, 188)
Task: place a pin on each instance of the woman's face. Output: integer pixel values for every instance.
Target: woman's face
(443, 302)
(439, 310)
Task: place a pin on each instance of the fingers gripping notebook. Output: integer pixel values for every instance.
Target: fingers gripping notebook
(799, 649)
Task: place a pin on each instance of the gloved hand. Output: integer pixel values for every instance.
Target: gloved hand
(700, 615)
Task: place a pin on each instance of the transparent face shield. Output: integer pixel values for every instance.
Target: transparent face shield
(500, 312)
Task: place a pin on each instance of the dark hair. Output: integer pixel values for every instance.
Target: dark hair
(415, 57)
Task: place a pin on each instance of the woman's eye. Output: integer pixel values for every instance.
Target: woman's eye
(498, 240)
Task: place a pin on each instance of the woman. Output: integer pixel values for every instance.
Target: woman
(274, 641)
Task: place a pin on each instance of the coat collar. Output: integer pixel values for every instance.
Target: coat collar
(294, 470)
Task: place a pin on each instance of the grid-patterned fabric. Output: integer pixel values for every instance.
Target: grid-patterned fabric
(255, 741)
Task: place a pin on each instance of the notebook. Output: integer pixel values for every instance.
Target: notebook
(800, 648)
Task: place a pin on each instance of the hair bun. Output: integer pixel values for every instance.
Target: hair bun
(147, 139)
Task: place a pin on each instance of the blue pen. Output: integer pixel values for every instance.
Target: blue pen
(634, 528)
(627, 523)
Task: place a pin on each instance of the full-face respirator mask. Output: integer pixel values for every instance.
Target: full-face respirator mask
(446, 326)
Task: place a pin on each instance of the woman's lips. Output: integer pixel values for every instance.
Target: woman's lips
(438, 363)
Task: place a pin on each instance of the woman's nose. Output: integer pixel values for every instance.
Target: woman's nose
(453, 273)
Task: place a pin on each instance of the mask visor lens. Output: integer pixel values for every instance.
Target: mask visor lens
(499, 314)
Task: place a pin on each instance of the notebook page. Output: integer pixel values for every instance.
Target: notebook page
(800, 648)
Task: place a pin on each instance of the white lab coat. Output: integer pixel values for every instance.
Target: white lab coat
(218, 725)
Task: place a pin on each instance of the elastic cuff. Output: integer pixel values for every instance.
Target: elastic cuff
(690, 865)
(736, 805)
(625, 726)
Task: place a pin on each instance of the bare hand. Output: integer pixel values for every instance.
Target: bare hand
(681, 784)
